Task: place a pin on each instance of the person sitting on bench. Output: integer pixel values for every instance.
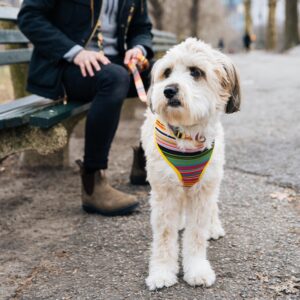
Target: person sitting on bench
(81, 48)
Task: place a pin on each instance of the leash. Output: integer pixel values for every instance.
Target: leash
(135, 68)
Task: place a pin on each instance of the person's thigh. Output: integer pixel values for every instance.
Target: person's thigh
(77, 87)
(111, 79)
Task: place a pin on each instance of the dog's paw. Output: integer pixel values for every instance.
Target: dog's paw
(160, 279)
(200, 273)
(216, 232)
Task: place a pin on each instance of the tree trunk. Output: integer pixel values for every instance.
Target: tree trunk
(271, 30)
(194, 17)
(157, 12)
(291, 24)
(248, 16)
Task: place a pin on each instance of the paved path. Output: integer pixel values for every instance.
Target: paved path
(50, 249)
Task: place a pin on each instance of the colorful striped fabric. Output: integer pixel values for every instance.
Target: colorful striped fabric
(189, 165)
(144, 64)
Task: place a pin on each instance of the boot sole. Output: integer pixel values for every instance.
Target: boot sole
(136, 180)
(120, 212)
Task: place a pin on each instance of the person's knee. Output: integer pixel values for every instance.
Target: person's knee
(115, 78)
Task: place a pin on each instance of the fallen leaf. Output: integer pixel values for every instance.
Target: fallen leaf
(291, 286)
(262, 277)
(288, 195)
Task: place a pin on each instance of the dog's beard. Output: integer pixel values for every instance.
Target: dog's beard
(189, 113)
(176, 116)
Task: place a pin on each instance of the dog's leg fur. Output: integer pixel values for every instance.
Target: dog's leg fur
(216, 230)
(200, 206)
(165, 220)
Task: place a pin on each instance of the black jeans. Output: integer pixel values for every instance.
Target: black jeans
(107, 91)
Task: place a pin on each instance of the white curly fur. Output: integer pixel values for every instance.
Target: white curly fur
(203, 101)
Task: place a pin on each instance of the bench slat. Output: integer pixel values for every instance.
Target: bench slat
(162, 48)
(17, 56)
(49, 117)
(161, 40)
(15, 37)
(12, 37)
(18, 112)
(161, 33)
(21, 103)
(22, 117)
(8, 13)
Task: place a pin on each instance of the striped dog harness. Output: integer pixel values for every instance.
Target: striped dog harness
(189, 165)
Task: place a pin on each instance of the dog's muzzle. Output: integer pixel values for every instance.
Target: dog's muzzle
(170, 93)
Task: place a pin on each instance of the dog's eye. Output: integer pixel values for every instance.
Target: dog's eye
(196, 72)
(167, 72)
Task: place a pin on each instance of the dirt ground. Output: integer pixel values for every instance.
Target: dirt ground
(51, 249)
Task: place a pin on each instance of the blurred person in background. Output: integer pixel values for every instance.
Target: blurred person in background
(81, 49)
(247, 41)
(221, 44)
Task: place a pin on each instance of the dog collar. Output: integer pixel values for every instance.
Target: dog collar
(178, 133)
(189, 165)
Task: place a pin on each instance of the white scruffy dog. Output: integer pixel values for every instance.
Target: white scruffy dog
(192, 85)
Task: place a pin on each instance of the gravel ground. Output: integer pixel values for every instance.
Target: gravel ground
(50, 249)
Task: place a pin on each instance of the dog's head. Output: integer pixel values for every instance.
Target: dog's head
(192, 82)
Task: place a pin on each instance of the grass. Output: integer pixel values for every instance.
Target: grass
(6, 89)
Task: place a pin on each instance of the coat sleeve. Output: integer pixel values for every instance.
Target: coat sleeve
(139, 32)
(33, 21)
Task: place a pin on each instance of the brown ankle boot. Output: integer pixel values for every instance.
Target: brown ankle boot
(138, 175)
(99, 197)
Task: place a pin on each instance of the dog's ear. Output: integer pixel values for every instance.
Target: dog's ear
(149, 92)
(232, 84)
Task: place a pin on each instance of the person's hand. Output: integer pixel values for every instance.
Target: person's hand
(88, 61)
(132, 55)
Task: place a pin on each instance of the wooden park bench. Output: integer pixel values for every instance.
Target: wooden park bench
(33, 122)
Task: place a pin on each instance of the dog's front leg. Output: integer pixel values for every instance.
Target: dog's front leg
(165, 217)
(216, 230)
(197, 269)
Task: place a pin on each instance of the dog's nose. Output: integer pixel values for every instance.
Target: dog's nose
(171, 90)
